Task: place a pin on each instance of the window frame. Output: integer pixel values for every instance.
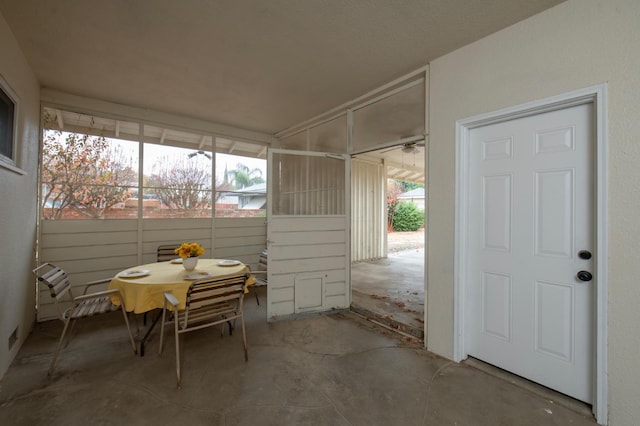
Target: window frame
(142, 139)
(10, 162)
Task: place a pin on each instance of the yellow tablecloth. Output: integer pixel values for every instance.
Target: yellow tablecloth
(146, 293)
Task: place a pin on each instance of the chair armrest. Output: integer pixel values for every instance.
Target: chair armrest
(96, 282)
(171, 299)
(258, 272)
(96, 295)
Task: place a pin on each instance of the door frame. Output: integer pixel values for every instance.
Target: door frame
(596, 95)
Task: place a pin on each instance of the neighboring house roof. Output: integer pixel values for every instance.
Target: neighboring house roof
(258, 188)
(227, 199)
(254, 196)
(414, 193)
(251, 197)
(255, 203)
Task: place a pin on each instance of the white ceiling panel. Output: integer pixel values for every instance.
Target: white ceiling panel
(255, 64)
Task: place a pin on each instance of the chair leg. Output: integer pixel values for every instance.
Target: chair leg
(161, 347)
(231, 327)
(126, 320)
(244, 339)
(69, 333)
(178, 378)
(255, 291)
(60, 342)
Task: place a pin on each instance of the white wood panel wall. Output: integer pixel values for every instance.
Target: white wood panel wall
(241, 239)
(308, 247)
(368, 211)
(87, 250)
(94, 249)
(156, 232)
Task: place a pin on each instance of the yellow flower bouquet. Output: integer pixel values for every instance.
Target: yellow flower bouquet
(189, 250)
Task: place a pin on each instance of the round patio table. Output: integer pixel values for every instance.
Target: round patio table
(142, 287)
(143, 293)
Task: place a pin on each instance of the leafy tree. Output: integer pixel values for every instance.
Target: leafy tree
(83, 173)
(394, 189)
(184, 185)
(409, 186)
(407, 217)
(243, 177)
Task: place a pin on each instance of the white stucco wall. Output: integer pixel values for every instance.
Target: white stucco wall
(577, 44)
(18, 203)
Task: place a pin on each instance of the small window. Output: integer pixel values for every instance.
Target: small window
(7, 124)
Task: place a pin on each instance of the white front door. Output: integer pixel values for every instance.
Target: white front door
(529, 294)
(307, 233)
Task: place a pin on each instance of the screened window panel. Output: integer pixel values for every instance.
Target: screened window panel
(297, 141)
(241, 186)
(330, 136)
(163, 136)
(178, 181)
(398, 116)
(308, 185)
(240, 148)
(89, 166)
(73, 122)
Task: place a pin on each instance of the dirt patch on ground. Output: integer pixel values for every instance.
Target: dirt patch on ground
(399, 241)
(390, 291)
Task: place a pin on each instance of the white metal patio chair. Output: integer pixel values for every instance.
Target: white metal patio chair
(165, 253)
(260, 274)
(209, 302)
(83, 306)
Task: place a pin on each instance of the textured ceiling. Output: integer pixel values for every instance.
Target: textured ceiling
(257, 64)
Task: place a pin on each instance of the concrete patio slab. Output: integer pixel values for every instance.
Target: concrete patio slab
(321, 370)
(391, 291)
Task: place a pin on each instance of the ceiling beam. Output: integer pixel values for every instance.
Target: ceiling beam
(404, 166)
(60, 119)
(202, 141)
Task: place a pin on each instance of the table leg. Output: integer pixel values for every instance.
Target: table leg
(144, 339)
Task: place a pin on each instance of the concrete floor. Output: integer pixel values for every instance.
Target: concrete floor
(322, 370)
(391, 291)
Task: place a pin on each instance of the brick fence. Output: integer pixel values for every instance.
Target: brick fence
(223, 210)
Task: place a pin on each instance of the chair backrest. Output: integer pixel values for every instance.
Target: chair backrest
(55, 278)
(264, 260)
(167, 252)
(204, 295)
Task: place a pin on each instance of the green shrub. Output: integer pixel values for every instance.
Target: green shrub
(407, 217)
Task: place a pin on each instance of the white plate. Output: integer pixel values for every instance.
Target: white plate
(229, 263)
(178, 260)
(134, 273)
(197, 276)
